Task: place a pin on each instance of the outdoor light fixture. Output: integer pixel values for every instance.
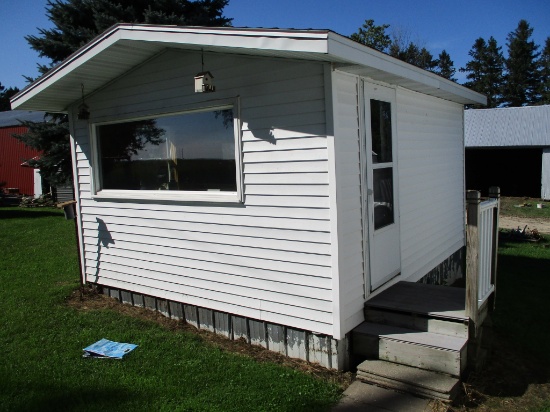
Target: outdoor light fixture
(83, 110)
(204, 82)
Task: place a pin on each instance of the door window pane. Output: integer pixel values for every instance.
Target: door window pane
(380, 114)
(383, 197)
(186, 152)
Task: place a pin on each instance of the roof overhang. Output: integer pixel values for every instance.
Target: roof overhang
(125, 46)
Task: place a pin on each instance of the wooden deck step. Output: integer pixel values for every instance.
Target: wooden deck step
(435, 301)
(403, 378)
(420, 322)
(425, 350)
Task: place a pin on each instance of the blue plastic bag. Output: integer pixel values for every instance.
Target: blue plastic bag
(108, 349)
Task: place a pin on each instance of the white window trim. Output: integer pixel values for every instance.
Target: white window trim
(173, 195)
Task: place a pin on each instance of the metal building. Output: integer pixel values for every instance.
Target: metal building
(510, 148)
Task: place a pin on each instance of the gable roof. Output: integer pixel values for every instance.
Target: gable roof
(506, 127)
(124, 46)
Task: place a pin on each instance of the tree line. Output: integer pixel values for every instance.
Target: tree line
(522, 78)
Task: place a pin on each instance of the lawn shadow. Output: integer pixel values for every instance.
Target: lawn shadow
(63, 399)
(519, 356)
(21, 213)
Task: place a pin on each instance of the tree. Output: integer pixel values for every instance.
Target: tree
(398, 44)
(5, 95)
(445, 66)
(485, 70)
(373, 36)
(544, 64)
(522, 78)
(76, 22)
(51, 138)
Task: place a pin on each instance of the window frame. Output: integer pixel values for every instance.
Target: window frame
(98, 193)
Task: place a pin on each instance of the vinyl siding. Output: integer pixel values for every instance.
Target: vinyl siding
(348, 199)
(431, 181)
(269, 258)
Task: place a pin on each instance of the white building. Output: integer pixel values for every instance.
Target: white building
(317, 174)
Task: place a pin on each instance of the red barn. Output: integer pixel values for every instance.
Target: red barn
(14, 176)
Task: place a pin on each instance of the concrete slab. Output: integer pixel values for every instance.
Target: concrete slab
(363, 397)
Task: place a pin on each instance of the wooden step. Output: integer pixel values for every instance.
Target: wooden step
(403, 378)
(420, 322)
(425, 350)
(438, 302)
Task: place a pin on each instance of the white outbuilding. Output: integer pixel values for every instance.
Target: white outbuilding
(316, 174)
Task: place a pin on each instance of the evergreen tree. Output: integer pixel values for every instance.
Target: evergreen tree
(397, 45)
(485, 70)
(373, 36)
(51, 138)
(76, 22)
(544, 64)
(445, 66)
(5, 95)
(522, 79)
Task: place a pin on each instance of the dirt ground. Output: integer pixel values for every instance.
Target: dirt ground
(512, 222)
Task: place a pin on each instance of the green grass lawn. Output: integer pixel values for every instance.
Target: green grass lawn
(41, 340)
(517, 376)
(523, 296)
(509, 207)
(41, 343)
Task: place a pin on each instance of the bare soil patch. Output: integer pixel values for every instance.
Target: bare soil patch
(514, 222)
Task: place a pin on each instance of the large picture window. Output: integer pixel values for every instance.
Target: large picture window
(185, 153)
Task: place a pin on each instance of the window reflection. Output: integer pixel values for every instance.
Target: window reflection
(383, 197)
(187, 152)
(381, 131)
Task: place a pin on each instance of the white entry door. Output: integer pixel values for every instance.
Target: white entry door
(381, 203)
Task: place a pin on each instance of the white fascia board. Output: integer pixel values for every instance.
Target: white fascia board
(310, 42)
(347, 50)
(79, 58)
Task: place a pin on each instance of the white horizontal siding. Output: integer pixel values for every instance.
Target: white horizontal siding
(348, 199)
(269, 258)
(431, 181)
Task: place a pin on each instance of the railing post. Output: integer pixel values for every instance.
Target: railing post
(473, 199)
(494, 193)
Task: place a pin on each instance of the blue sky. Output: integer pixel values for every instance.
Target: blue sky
(435, 24)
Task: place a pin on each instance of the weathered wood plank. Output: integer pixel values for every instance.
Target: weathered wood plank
(436, 301)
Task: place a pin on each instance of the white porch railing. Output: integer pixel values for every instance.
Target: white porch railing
(481, 252)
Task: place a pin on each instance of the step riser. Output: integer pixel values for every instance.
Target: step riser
(404, 353)
(407, 387)
(420, 357)
(420, 323)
